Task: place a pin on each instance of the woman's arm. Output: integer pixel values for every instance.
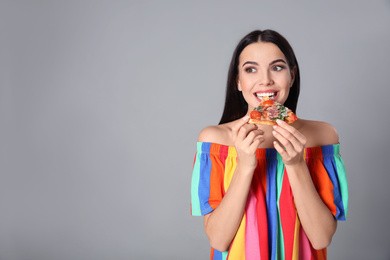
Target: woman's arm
(316, 219)
(222, 224)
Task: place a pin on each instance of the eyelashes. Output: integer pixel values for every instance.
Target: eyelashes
(278, 68)
(250, 70)
(273, 68)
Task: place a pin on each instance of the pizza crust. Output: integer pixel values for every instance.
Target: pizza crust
(261, 122)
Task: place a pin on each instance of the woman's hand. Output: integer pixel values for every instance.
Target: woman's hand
(292, 140)
(247, 139)
(315, 217)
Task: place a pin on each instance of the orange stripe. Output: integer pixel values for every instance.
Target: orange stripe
(320, 177)
(318, 254)
(324, 186)
(216, 178)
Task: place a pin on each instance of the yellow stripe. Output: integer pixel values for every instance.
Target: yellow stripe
(295, 254)
(230, 166)
(237, 249)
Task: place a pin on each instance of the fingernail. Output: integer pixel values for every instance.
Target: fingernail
(246, 118)
(274, 126)
(279, 121)
(274, 132)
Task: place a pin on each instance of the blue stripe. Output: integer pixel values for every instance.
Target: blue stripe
(330, 166)
(217, 255)
(204, 179)
(272, 213)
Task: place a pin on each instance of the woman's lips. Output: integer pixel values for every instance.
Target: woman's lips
(272, 94)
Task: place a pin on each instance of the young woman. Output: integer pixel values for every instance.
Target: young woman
(267, 192)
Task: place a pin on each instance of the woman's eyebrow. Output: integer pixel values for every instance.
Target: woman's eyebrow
(255, 63)
(278, 60)
(250, 62)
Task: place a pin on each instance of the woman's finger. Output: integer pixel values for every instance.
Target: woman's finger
(237, 126)
(292, 130)
(259, 138)
(244, 131)
(281, 151)
(288, 147)
(287, 139)
(239, 129)
(256, 143)
(247, 134)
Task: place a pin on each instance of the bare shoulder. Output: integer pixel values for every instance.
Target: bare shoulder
(318, 133)
(220, 134)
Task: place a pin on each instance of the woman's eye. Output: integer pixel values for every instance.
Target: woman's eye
(277, 68)
(250, 69)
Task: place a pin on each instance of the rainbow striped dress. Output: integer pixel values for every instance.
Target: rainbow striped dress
(270, 227)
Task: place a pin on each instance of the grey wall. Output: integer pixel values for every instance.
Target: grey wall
(101, 103)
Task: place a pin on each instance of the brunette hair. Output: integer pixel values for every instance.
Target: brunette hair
(235, 104)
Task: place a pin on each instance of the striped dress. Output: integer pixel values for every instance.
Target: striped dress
(270, 227)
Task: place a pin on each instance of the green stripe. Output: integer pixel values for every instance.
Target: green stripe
(342, 176)
(225, 254)
(195, 183)
(279, 182)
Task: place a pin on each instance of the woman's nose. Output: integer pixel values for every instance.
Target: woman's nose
(265, 78)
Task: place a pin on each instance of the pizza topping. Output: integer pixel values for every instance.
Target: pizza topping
(267, 103)
(255, 114)
(282, 111)
(273, 112)
(291, 117)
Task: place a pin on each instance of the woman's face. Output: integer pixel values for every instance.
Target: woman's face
(263, 70)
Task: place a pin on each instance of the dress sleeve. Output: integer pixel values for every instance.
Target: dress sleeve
(207, 183)
(329, 177)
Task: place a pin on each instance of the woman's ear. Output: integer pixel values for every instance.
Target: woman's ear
(238, 84)
(293, 72)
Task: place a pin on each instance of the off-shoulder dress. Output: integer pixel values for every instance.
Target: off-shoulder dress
(270, 227)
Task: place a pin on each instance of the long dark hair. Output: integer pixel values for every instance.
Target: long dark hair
(235, 104)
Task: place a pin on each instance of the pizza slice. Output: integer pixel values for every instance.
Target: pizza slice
(269, 111)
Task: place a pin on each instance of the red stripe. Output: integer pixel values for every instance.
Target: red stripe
(287, 216)
(314, 253)
(223, 153)
(259, 187)
(193, 164)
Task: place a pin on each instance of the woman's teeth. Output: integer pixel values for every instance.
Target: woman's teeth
(270, 95)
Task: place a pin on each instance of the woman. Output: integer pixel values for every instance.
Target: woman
(267, 192)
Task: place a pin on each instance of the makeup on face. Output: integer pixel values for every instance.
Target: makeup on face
(263, 71)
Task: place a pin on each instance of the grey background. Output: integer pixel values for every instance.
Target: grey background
(101, 103)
